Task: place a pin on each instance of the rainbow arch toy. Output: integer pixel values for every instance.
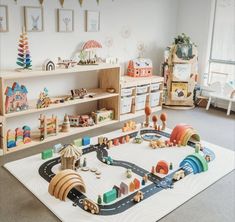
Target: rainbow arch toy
(182, 133)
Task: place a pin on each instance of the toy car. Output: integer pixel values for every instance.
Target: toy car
(179, 175)
(90, 205)
(108, 160)
(138, 140)
(138, 196)
(128, 173)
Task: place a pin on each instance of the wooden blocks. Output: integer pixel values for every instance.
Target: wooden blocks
(129, 126)
(47, 154)
(78, 142)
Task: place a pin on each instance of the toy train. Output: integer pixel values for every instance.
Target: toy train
(81, 121)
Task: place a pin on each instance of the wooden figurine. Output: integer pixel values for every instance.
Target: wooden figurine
(163, 118)
(48, 127)
(66, 124)
(129, 126)
(147, 111)
(48, 65)
(154, 119)
(44, 100)
(140, 68)
(102, 115)
(19, 136)
(70, 157)
(16, 98)
(66, 63)
(78, 93)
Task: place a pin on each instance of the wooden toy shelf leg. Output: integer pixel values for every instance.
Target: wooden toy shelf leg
(2, 100)
(3, 146)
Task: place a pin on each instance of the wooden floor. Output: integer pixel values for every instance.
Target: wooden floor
(215, 204)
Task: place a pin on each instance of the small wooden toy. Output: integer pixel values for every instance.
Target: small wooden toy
(57, 148)
(91, 206)
(70, 157)
(19, 136)
(102, 115)
(48, 127)
(81, 121)
(162, 167)
(110, 143)
(153, 170)
(44, 100)
(24, 58)
(119, 193)
(99, 199)
(84, 164)
(115, 142)
(142, 182)
(145, 177)
(140, 67)
(179, 175)
(78, 142)
(148, 112)
(154, 119)
(26, 134)
(128, 173)
(110, 90)
(129, 126)
(137, 183)
(78, 93)
(138, 196)
(127, 138)
(66, 124)
(132, 186)
(110, 196)
(157, 144)
(86, 140)
(108, 160)
(66, 63)
(171, 166)
(11, 142)
(138, 140)
(163, 118)
(16, 98)
(122, 140)
(124, 188)
(48, 65)
(46, 154)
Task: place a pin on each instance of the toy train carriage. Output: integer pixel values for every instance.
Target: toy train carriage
(140, 68)
(81, 121)
(102, 115)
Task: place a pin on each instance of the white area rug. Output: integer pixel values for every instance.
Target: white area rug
(149, 210)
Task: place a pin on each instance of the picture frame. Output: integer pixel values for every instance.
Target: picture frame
(4, 18)
(34, 21)
(92, 21)
(65, 20)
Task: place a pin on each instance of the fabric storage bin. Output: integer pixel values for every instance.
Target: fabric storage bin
(126, 103)
(140, 101)
(154, 99)
(142, 89)
(155, 86)
(127, 91)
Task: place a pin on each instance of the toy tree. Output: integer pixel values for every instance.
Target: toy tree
(163, 118)
(154, 119)
(24, 58)
(148, 112)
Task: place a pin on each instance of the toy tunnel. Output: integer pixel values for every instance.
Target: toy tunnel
(162, 167)
(63, 182)
(196, 162)
(183, 133)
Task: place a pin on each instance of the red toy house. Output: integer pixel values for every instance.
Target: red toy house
(140, 68)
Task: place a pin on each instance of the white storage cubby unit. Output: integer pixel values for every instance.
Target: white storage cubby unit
(144, 90)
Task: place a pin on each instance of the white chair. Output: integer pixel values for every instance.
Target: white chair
(227, 93)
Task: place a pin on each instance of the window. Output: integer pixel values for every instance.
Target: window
(222, 52)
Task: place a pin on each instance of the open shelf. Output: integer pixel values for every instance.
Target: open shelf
(98, 95)
(138, 113)
(73, 131)
(12, 75)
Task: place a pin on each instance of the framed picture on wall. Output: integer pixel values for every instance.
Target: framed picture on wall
(33, 19)
(3, 18)
(92, 21)
(65, 20)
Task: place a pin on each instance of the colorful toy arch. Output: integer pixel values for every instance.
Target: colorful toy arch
(162, 167)
(197, 163)
(182, 133)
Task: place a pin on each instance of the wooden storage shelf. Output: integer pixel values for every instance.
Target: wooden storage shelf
(73, 131)
(99, 94)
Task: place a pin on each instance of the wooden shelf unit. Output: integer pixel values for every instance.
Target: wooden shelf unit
(108, 77)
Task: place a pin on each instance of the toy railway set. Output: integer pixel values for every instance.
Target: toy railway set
(159, 178)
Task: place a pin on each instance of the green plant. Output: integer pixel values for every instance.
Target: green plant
(183, 39)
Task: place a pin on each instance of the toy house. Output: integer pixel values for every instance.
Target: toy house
(16, 98)
(70, 157)
(140, 67)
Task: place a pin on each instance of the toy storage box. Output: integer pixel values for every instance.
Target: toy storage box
(142, 89)
(127, 91)
(155, 99)
(140, 102)
(126, 104)
(155, 87)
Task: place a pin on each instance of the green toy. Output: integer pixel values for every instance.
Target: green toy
(47, 154)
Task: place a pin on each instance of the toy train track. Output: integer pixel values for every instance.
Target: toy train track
(157, 184)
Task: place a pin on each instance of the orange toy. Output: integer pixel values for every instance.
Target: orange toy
(163, 118)
(154, 119)
(162, 167)
(148, 112)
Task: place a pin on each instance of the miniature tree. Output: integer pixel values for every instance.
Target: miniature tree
(163, 118)
(84, 162)
(24, 58)
(154, 119)
(143, 182)
(99, 200)
(171, 166)
(147, 111)
(152, 170)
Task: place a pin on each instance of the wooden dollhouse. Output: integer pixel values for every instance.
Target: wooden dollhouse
(140, 67)
(48, 126)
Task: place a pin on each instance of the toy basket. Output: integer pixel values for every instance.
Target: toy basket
(140, 101)
(142, 89)
(155, 87)
(127, 92)
(154, 99)
(126, 103)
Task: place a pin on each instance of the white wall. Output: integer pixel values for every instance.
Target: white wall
(152, 22)
(194, 20)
